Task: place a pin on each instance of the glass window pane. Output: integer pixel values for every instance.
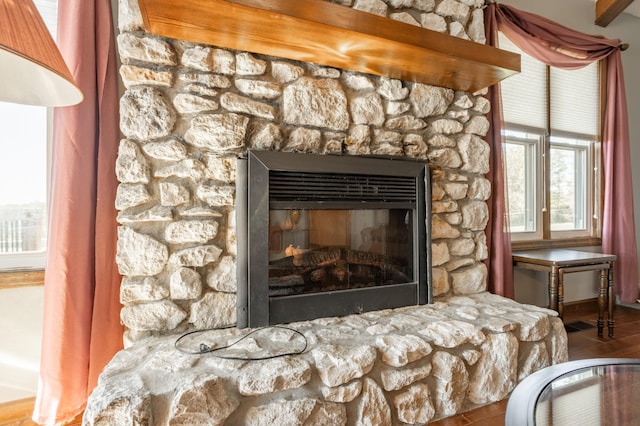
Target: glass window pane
(23, 168)
(567, 189)
(520, 186)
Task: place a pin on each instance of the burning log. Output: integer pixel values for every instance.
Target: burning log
(285, 285)
(357, 257)
(305, 262)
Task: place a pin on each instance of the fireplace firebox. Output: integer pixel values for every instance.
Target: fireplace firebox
(327, 235)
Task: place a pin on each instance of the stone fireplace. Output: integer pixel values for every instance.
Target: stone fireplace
(188, 113)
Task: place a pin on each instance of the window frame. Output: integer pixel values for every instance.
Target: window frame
(590, 181)
(533, 141)
(544, 237)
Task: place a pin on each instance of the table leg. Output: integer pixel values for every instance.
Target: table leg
(553, 291)
(603, 295)
(560, 292)
(612, 299)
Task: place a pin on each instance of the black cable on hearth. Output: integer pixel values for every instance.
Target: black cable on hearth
(205, 349)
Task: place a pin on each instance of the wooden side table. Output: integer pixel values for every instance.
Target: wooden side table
(558, 262)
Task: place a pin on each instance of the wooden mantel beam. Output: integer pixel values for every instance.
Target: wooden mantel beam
(608, 10)
(332, 35)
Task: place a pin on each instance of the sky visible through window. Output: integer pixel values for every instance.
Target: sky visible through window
(23, 191)
(23, 144)
(23, 174)
(23, 163)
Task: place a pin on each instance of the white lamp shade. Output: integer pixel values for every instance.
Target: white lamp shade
(32, 70)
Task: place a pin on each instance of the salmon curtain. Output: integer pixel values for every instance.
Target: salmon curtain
(499, 262)
(81, 330)
(562, 47)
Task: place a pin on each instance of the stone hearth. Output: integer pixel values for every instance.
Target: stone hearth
(409, 365)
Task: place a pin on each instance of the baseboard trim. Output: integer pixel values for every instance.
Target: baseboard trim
(16, 279)
(17, 413)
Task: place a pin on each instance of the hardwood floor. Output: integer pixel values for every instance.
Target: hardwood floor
(18, 413)
(582, 344)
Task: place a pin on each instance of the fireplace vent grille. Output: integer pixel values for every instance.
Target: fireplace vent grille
(303, 186)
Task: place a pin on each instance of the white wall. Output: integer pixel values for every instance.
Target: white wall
(579, 15)
(21, 312)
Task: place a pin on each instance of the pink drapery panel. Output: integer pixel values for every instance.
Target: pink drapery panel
(500, 261)
(81, 330)
(618, 228)
(562, 47)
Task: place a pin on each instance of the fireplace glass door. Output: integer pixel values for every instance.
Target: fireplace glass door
(321, 250)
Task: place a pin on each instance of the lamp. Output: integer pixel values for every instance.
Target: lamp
(32, 70)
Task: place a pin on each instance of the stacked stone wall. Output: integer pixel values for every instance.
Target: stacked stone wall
(190, 110)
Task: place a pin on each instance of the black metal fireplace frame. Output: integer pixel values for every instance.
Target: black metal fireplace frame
(255, 307)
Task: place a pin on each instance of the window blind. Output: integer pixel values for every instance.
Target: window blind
(524, 95)
(572, 96)
(575, 100)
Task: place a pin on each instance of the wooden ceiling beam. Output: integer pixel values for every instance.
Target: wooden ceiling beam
(608, 10)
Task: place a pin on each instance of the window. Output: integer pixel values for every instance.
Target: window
(552, 131)
(23, 173)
